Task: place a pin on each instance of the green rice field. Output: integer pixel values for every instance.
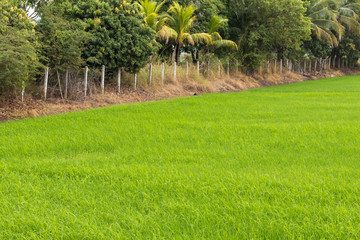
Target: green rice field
(273, 163)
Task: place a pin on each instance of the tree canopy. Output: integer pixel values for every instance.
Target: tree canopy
(63, 34)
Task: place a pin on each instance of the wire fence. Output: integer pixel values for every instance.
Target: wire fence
(81, 83)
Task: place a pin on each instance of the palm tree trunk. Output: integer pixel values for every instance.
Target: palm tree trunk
(177, 53)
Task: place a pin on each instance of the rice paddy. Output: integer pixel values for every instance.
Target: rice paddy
(277, 163)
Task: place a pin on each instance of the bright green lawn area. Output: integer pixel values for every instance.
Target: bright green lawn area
(280, 162)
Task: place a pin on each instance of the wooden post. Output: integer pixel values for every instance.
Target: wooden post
(339, 62)
(46, 82)
(304, 66)
(219, 70)
(208, 68)
(275, 65)
(198, 67)
(86, 79)
(103, 79)
(150, 74)
(310, 66)
(174, 70)
(119, 80)
(260, 70)
(228, 68)
(135, 80)
(315, 66)
(237, 66)
(187, 69)
(163, 73)
(333, 61)
(287, 64)
(58, 77)
(66, 83)
(22, 90)
(281, 66)
(268, 66)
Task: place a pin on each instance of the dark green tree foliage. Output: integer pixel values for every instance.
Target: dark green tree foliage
(18, 48)
(119, 38)
(267, 27)
(348, 49)
(62, 40)
(317, 48)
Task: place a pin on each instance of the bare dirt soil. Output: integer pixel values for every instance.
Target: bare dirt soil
(14, 109)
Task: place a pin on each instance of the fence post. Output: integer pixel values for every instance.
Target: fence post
(103, 79)
(198, 67)
(150, 73)
(237, 66)
(287, 64)
(268, 66)
(208, 68)
(219, 69)
(228, 68)
(163, 73)
(187, 69)
(290, 66)
(46, 82)
(119, 80)
(275, 62)
(135, 80)
(86, 79)
(66, 83)
(22, 90)
(281, 66)
(174, 70)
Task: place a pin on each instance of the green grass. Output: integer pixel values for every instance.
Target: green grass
(278, 163)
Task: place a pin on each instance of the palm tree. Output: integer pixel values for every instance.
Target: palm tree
(179, 23)
(212, 29)
(348, 15)
(330, 18)
(324, 20)
(152, 18)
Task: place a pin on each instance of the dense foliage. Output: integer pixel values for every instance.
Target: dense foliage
(18, 47)
(65, 34)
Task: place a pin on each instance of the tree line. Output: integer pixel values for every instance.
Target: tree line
(67, 34)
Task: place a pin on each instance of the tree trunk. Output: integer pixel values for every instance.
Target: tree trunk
(58, 77)
(177, 53)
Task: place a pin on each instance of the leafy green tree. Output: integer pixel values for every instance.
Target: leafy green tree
(119, 38)
(18, 47)
(62, 41)
(317, 48)
(348, 49)
(267, 28)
